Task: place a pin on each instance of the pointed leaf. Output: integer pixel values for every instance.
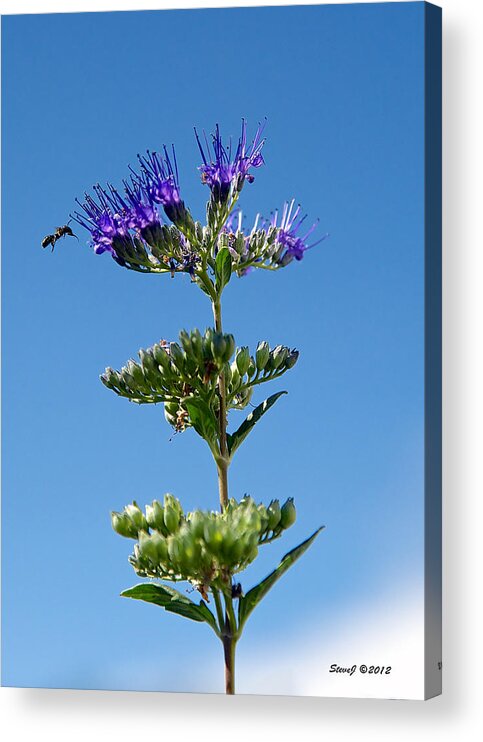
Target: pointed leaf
(172, 600)
(254, 596)
(203, 288)
(223, 267)
(236, 438)
(202, 417)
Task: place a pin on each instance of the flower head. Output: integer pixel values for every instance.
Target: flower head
(105, 219)
(129, 227)
(141, 208)
(159, 178)
(293, 244)
(226, 168)
(159, 182)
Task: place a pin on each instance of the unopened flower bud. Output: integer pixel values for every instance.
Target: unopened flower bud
(252, 554)
(136, 516)
(262, 355)
(235, 376)
(206, 343)
(252, 367)
(264, 518)
(218, 347)
(213, 536)
(274, 514)
(161, 356)
(242, 360)
(147, 360)
(147, 548)
(173, 549)
(292, 359)
(123, 525)
(288, 513)
(177, 356)
(155, 516)
(185, 341)
(161, 547)
(240, 243)
(197, 344)
(230, 347)
(128, 380)
(197, 523)
(223, 240)
(199, 231)
(172, 513)
(279, 356)
(111, 376)
(109, 380)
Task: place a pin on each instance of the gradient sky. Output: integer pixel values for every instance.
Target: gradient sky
(342, 88)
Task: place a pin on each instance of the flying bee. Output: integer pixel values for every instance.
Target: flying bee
(51, 239)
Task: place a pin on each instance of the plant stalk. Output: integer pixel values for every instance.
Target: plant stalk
(229, 644)
(222, 462)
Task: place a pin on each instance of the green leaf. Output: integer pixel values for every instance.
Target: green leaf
(202, 417)
(254, 596)
(172, 600)
(236, 438)
(222, 268)
(203, 287)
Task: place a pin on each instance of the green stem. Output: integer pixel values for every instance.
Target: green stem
(222, 220)
(219, 609)
(230, 637)
(231, 616)
(229, 645)
(222, 461)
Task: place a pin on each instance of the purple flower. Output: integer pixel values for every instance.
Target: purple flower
(292, 243)
(118, 223)
(159, 181)
(105, 219)
(225, 168)
(159, 178)
(141, 209)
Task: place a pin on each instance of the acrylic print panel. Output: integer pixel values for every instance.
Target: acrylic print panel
(230, 584)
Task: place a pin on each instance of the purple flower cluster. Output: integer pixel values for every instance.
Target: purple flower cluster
(129, 226)
(294, 245)
(272, 243)
(226, 169)
(108, 219)
(159, 181)
(114, 220)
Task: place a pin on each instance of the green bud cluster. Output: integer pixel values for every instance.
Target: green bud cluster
(246, 371)
(134, 254)
(159, 248)
(260, 249)
(204, 548)
(170, 372)
(275, 519)
(130, 522)
(167, 244)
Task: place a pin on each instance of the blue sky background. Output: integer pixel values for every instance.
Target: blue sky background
(342, 87)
